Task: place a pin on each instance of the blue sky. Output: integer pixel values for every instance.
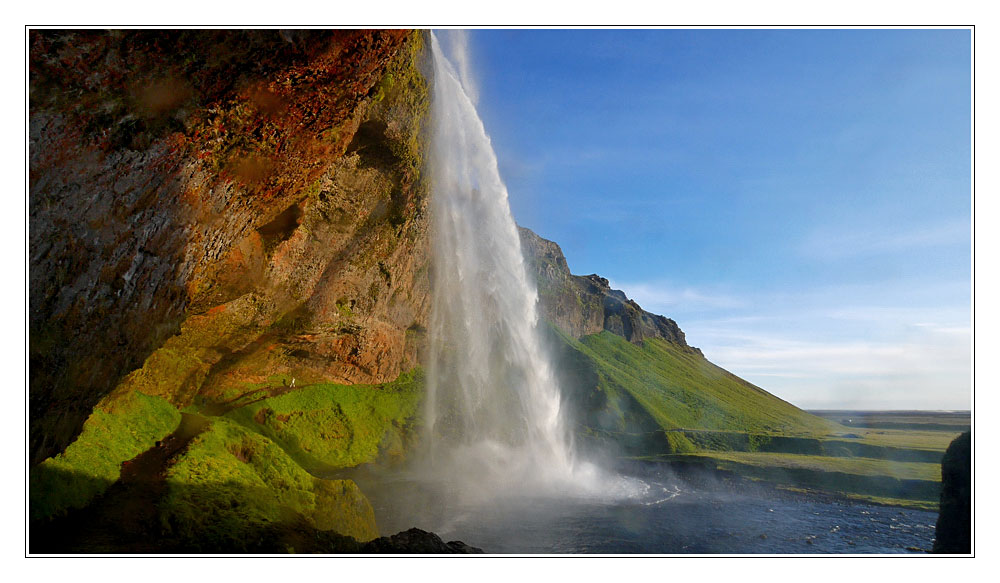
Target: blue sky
(797, 200)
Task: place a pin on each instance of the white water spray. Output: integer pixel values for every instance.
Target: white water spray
(493, 407)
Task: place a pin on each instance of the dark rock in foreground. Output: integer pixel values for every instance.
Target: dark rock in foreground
(416, 541)
(953, 534)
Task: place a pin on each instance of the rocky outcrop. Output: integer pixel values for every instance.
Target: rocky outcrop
(216, 210)
(416, 541)
(583, 305)
(953, 533)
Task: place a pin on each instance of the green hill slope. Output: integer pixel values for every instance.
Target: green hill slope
(637, 393)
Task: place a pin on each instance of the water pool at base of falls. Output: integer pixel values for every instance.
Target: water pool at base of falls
(662, 514)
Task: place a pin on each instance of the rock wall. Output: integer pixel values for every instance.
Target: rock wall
(210, 210)
(586, 304)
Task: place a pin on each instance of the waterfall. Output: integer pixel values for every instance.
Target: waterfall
(492, 417)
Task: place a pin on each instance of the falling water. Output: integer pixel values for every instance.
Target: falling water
(493, 407)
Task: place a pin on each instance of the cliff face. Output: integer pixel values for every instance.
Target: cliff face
(211, 210)
(585, 304)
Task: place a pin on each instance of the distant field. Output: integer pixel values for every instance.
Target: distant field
(910, 439)
(894, 461)
(956, 421)
(886, 457)
(857, 466)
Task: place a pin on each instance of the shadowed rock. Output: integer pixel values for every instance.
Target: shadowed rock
(416, 541)
(954, 525)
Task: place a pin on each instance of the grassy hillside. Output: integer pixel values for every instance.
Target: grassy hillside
(623, 388)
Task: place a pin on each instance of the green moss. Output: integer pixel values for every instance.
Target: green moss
(327, 426)
(344, 309)
(121, 427)
(177, 370)
(172, 372)
(403, 100)
(232, 481)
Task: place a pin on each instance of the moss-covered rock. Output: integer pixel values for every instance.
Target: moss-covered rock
(219, 219)
(325, 426)
(121, 427)
(232, 481)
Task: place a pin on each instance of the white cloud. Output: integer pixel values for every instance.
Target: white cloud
(902, 345)
(925, 367)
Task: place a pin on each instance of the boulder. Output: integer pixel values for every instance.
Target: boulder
(953, 534)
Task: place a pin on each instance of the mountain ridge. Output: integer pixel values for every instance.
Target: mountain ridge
(586, 304)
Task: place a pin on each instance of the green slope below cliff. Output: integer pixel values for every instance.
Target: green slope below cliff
(632, 393)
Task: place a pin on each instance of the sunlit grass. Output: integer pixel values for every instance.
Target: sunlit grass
(122, 426)
(658, 398)
(680, 389)
(913, 439)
